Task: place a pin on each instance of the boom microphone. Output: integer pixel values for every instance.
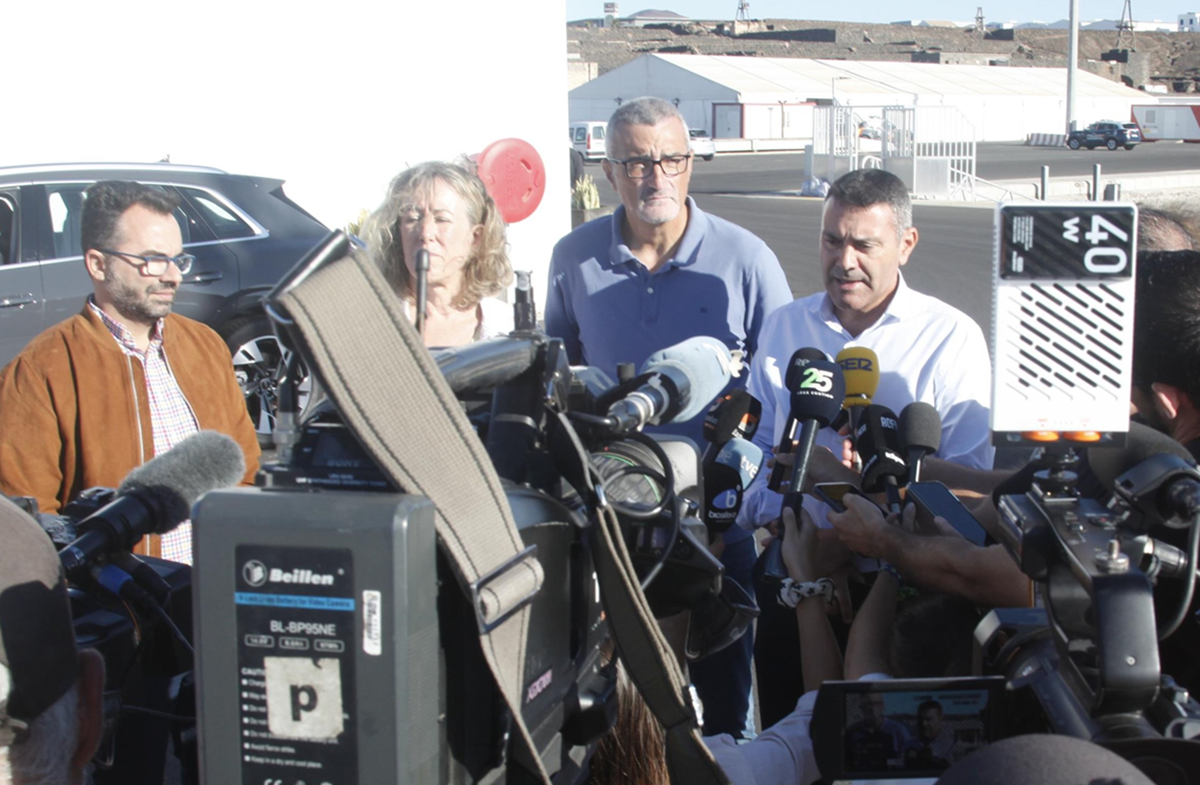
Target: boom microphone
(682, 380)
(878, 439)
(727, 475)
(157, 496)
(860, 366)
(792, 378)
(920, 433)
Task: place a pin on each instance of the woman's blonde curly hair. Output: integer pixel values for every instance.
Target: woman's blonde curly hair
(485, 274)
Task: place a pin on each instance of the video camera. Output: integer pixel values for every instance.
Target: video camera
(335, 641)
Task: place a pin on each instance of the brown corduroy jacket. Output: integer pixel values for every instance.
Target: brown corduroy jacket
(74, 413)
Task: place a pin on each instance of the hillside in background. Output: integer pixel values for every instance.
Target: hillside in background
(1171, 60)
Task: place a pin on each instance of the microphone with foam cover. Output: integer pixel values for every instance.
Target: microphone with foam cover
(921, 435)
(157, 496)
(682, 381)
(727, 475)
(878, 439)
(793, 377)
(734, 415)
(860, 366)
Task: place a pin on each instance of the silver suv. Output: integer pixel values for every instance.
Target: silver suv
(244, 232)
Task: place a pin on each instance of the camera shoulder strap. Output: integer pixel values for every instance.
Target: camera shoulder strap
(394, 398)
(351, 327)
(648, 659)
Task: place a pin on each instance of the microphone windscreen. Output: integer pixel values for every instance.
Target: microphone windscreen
(861, 369)
(726, 478)
(878, 440)
(1142, 442)
(745, 456)
(734, 414)
(920, 427)
(819, 392)
(176, 479)
(699, 367)
(800, 360)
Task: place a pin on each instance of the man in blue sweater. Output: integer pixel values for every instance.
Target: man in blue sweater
(654, 273)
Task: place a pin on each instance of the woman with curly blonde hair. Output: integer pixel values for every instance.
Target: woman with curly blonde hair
(444, 209)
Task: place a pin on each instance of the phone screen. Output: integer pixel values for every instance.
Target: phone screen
(832, 493)
(934, 499)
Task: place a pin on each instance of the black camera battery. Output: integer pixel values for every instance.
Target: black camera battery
(316, 637)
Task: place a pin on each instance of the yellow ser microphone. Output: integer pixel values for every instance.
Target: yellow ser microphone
(860, 369)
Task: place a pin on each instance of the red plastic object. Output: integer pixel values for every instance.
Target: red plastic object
(515, 177)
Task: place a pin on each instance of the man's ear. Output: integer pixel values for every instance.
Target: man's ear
(1169, 401)
(908, 241)
(607, 166)
(93, 261)
(91, 707)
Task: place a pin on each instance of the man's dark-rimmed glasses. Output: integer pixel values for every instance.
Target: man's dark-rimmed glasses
(640, 168)
(154, 266)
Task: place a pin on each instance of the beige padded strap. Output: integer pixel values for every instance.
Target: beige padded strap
(395, 400)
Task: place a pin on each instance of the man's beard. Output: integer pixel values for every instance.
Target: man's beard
(136, 304)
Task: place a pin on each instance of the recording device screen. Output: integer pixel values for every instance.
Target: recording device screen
(832, 493)
(897, 729)
(934, 499)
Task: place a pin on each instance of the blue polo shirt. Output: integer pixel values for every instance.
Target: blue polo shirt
(608, 308)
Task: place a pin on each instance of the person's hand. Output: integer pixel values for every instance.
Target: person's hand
(799, 546)
(842, 603)
(945, 529)
(907, 520)
(861, 527)
(823, 466)
(716, 545)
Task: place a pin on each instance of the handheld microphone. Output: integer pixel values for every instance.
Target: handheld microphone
(732, 416)
(793, 377)
(421, 263)
(682, 380)
(815, 404)
(878, 439)
(727, 475)
(156, 497)
(920, 433)
(861, 369)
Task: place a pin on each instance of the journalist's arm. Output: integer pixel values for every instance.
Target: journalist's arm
(986, 576)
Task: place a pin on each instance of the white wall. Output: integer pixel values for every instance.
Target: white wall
(335, 99)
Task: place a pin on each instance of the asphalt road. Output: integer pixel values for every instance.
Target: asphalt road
(774, 172)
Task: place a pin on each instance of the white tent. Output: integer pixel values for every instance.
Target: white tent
(772, 97)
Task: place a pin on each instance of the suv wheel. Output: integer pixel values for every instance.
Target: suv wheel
(1073, 144)
(1111, 144)
(257, 360)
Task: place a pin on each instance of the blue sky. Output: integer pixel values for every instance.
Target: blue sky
(883, 11)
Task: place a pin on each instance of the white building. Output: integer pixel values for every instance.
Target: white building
(1189, 22)
(772, 98)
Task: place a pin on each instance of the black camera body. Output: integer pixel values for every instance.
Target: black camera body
(1088, 659)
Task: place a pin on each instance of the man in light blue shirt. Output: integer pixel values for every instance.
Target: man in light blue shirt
(656, 272)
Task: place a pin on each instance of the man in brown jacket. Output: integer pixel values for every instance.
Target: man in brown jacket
(105, 391)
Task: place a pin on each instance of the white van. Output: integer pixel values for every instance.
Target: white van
(587, 137)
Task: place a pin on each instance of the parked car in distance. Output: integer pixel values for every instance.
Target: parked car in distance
(1106, 133)
(244, 232)
(702, 144)
(587, 136)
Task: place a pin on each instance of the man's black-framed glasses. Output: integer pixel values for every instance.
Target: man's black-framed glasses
(640, 168)
(153, 266)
